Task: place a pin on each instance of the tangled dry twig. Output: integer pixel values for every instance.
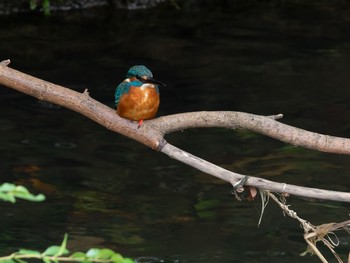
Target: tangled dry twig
(314, 234)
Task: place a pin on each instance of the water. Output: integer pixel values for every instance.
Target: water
(108, 191)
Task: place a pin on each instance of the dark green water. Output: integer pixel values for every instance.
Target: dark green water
(108, 191)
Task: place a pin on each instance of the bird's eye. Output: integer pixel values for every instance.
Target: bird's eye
(142, 78)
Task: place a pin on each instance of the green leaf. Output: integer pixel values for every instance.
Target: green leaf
(63, 248)
(30, 197)
(9, 192)
(128, 260)
(7, 187)
(78, 255)
(53, 254)
(18, 260)
(38, 198)
(28, 252)
(117, 258)
(7, 261)
(93, 252)
(105, 253)
(21, 189)
(52, 251)
(7, 197)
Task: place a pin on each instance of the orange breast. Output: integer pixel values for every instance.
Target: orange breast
(140, 103)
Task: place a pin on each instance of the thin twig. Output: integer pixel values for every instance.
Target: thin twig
(230, 177)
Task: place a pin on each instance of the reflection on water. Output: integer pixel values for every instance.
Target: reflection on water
(107, 191)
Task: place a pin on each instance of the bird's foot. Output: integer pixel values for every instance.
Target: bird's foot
(140, 123)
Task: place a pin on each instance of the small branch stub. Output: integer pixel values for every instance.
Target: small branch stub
(86, 92)
(5, 62)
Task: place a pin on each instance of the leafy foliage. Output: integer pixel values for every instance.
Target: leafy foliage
(9, 192)
(53, 254)
(61, 253)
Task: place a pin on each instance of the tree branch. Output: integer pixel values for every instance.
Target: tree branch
(79, 102)
(152, 132)
(266, 125)
(232, 177)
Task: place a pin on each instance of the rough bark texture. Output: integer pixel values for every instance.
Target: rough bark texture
(79, 102)
(266, 125)
(232, 177)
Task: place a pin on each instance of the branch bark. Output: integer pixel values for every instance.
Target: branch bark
(266, 125)
(152, 132)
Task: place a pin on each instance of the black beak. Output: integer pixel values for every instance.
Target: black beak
(151, 80)
(154, 81)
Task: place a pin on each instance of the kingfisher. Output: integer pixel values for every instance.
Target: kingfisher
(137, 97)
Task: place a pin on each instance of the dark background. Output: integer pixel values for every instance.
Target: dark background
(105, 190)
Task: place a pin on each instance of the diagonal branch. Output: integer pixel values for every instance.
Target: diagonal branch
(230, 177)
(152, 132)
(76, 101)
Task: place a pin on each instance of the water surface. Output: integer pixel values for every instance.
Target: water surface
(108, 191)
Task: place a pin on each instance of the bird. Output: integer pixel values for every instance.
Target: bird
(137, 96)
